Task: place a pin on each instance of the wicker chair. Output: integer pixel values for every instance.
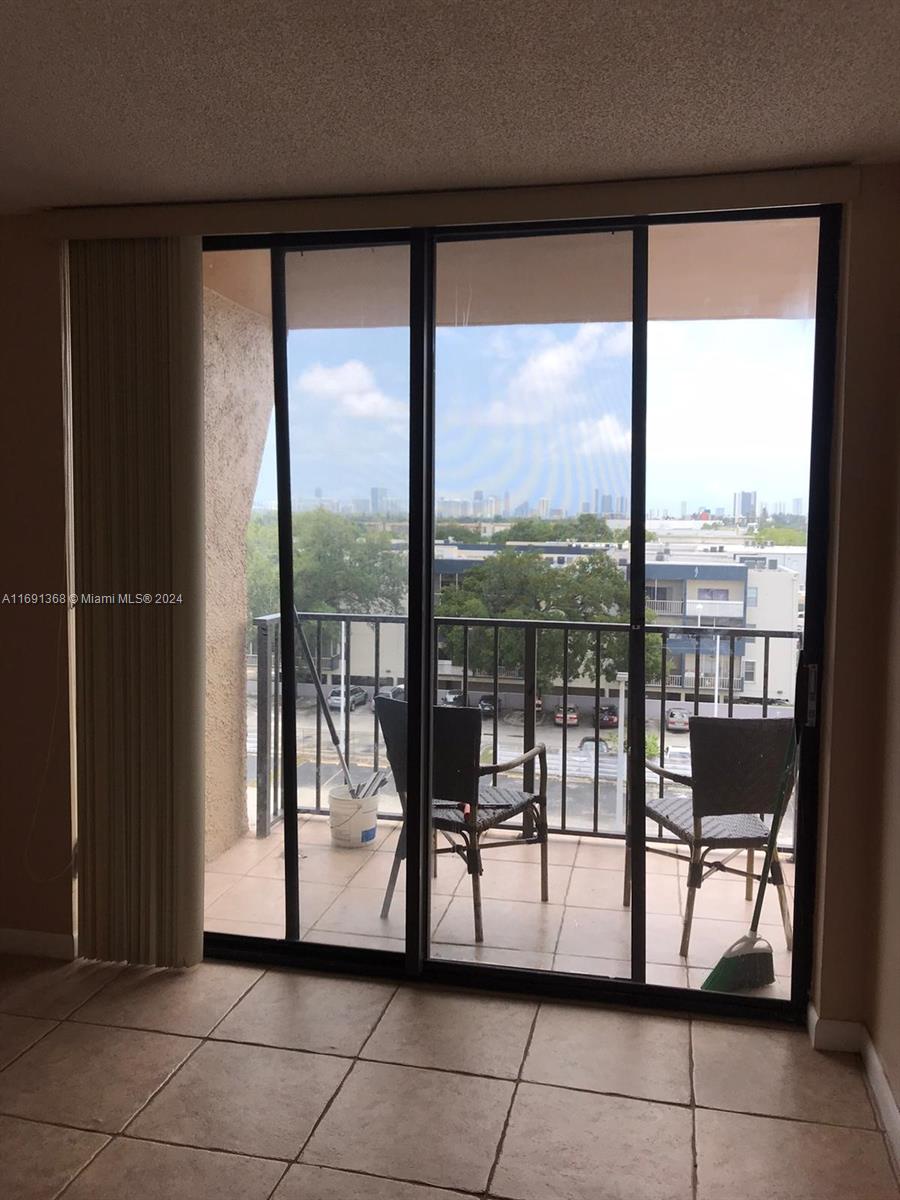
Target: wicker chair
(738, 771)
(463, 809)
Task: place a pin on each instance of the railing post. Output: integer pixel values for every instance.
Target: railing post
(263, 673)
(530, 696)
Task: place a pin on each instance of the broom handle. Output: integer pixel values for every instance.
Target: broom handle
(781, 803)
(323, 703)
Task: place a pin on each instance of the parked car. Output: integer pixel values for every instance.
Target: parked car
(591, 743)
(454, 700)
(355, 697)
(676, 720)
(568, 716)
(486, 704)
(607, 717)
(397, 692)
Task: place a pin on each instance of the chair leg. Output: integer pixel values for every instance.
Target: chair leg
(542, 826)
(748, 892)
(695, 878)
(399, 855)
(783, 902)
(473, 860)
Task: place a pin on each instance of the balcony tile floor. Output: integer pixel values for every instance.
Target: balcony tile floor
(584, 928)
(301, 1086)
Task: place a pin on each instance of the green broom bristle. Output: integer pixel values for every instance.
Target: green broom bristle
(748, 963)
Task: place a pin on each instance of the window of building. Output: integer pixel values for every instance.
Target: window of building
(749, 670)
(752, 597)
(712, 593)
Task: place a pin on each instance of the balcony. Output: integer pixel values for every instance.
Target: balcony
(585, 927)
(714, 609)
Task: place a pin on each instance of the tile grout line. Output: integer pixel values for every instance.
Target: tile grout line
(512, 1099)
(84, 1166)
(56, 1024)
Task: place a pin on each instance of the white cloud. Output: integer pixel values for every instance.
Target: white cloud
(353, 386)
(604, 435)
(550, 381)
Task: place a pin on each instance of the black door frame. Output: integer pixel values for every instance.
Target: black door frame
(415, 963)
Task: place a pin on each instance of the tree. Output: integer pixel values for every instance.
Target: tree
(586, 527)
(519, 586)
(457, 532)
(340, 565)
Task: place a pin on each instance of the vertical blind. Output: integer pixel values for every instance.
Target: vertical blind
(137, 483)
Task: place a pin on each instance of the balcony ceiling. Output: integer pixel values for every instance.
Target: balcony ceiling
(114, 103)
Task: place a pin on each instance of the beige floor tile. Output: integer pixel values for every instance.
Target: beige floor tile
(709, 940)
(722, 898)
(316, 831)
(777, 1073)
(317, 864)
(244, 854)
(18, 1033)
(632, 1054)
(247, 928)
(600, 888)
(46, 987)
(789, 1160)
(508, 924)
(326, 937)
(249, 1099)
(358, 910)
(321, 1183)
(610, 855)
(595, 933)
(457, 1031)
(91, 1077)
(129, 1169)
(37, 1161)
(214, 885)
(377, 870)
(664, 976)
(517, 881)
(430, 1127)
(529, 960)
(328, 1014)
(583, 1147)
(262, 901)
(561, 851)
(190, 1001)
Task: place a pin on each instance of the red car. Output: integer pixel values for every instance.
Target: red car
(571, 716)
(607, 717)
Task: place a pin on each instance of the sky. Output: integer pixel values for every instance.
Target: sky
(544, 411)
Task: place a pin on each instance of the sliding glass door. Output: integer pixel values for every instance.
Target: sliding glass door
(535, 505)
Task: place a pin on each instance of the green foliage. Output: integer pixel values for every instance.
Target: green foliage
(457, 532)
(522, 586)
(584, 528)
(340, 565)
(780, 535)
(624, 535)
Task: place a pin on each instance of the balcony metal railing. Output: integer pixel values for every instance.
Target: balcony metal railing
(579, 654)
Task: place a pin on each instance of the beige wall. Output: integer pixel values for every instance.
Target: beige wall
(35, 792)
(237, 391)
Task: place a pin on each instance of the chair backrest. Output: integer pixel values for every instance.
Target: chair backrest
(740, 765)
(457, 748)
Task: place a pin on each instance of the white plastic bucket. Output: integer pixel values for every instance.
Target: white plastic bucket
(353, 822)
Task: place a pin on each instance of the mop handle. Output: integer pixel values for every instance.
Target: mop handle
(323, 703)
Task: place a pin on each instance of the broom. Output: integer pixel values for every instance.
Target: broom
(377, 780)
(749, 962)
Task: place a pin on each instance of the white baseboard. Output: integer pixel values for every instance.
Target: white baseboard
(826, 1034)
(854, 1037)
(885, 1101)
(31, 941)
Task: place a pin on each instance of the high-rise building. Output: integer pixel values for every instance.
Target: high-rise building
(379, 497)
(543, 507)
(621, 510)
(797, 507)
(585, 506)
(506, 504)
(745, 506)
(606, 506)
(683, 509)
(596, 508)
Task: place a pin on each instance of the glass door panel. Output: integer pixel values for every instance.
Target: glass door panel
(729, 413)
(347, 313)
(533, 401)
